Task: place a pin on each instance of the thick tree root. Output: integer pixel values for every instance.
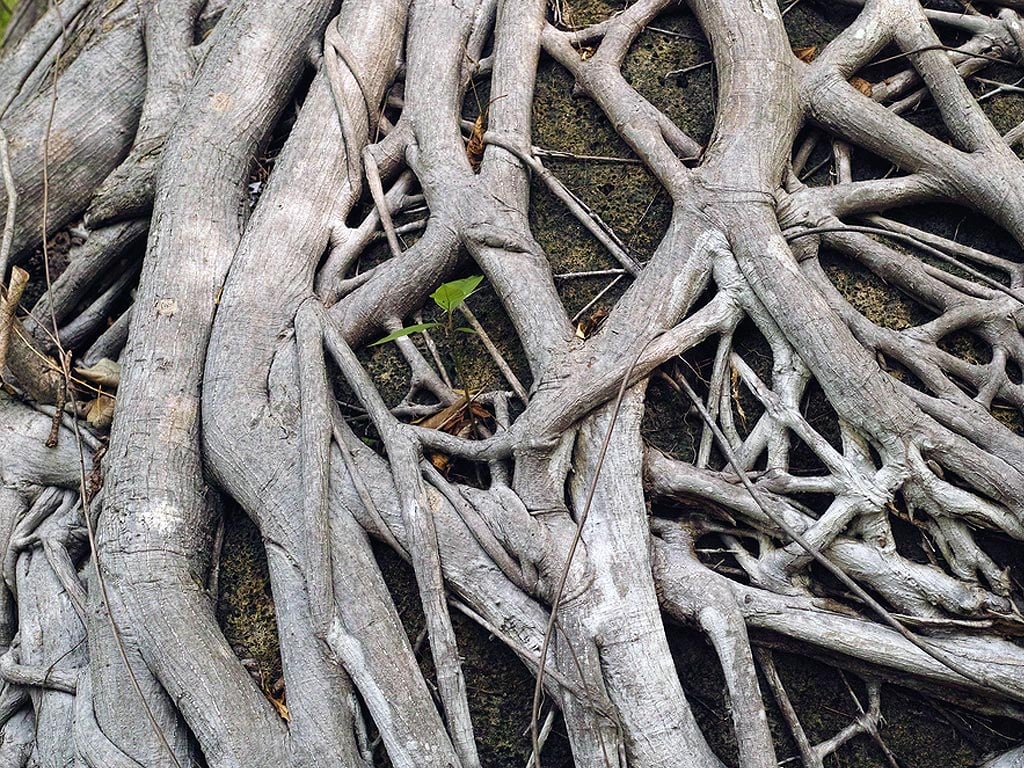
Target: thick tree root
(542, 512)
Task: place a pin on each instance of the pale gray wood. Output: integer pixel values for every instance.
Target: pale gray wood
(225, 385)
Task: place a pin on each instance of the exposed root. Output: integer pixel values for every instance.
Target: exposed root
(855, 482)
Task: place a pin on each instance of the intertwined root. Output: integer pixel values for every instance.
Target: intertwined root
(537, 506)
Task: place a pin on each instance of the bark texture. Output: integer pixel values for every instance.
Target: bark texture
(307, 282)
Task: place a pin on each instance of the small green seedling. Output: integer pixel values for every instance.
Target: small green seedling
(448, 296)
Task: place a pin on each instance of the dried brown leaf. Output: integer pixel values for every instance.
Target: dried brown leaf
(106, 373)
(807, 53)
(591, 323)
(862, 85)
(475, 146)
(281, 707)
(440, 419)
(100, 412)
(440, 462)
(454, 417)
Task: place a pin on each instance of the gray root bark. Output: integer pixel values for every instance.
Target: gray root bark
(142, 121)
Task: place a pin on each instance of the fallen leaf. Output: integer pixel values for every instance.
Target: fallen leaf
(440, 462)
(281, 707)
(456, 419)
(736, 396)
(806, 54)
(475, 146)
(455, 416)
(100, 412)
(591, 323)
(106, 373)
(862, 85)
(440, 419)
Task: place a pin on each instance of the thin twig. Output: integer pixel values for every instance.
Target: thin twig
(691, 68)
(771, 675)
(597, 298)
(434, 354)
(555, 154)
(680, 35)
(808, 173)
(495, 353)
(376, 188)
(61, 399)
(790, 7)
(950, 49)
(590, 273)
(872, 715)
(18, 330)
(545, 731)
(583, 214)
(216, 553)
(1013, 87)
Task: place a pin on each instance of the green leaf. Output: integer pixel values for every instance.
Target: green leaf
(404, 332)
(449, 295)
(466, 330)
